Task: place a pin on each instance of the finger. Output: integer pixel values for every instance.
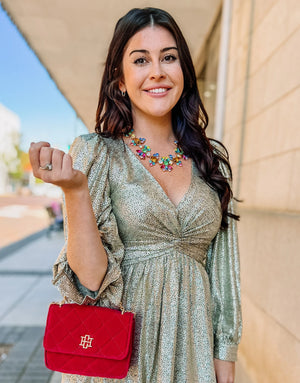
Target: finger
(57, 159)
(34, 155)
(67, 164)
(45, 158)
(46, 155)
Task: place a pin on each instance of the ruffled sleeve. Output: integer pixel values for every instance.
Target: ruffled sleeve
(90, 155)
(223, 268)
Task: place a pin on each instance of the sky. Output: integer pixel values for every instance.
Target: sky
(27, 90)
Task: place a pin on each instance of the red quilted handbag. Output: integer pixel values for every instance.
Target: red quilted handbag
(88, 340)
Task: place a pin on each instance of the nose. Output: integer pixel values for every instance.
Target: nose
(157, 71)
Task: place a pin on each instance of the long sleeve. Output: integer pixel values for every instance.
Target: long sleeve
(223, 268)
(90, 155)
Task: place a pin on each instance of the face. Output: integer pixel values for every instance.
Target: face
(152, 74)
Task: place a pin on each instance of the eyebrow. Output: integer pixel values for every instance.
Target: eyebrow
(147, 52)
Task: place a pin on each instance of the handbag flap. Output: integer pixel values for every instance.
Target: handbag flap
(88, 331)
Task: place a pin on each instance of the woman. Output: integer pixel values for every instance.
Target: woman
(168, 240)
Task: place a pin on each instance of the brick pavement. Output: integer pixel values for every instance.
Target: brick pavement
(25, 277)
(24, 362)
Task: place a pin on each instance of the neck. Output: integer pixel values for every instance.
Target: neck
(154, 129)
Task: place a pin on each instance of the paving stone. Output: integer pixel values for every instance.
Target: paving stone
(37, 376)
(4, 332)
(13, 378)
(23, 312)
(34, 380)
(35, 371)
(25, 361)
(56, 377)
(13, 367)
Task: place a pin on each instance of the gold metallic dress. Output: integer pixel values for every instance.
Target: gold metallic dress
(173, 266)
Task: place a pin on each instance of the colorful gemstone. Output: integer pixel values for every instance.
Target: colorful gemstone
(165, 162)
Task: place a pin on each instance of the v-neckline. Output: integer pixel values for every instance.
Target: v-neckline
(153, 179)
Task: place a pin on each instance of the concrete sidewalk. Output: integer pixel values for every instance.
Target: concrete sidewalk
(25, 283)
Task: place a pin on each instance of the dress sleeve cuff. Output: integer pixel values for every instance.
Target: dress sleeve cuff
(225, 351)
(108, 295)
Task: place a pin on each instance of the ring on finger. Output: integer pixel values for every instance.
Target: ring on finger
(46, 167)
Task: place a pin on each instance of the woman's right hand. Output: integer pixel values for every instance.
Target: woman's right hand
(62, 173)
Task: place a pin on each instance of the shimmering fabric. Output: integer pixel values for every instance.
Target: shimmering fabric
(177, 270)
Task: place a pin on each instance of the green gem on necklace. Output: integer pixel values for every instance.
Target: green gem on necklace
(166, 163)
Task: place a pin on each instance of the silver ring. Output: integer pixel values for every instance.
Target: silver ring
(46, 167)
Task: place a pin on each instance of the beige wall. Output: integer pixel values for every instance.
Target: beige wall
(263, 137)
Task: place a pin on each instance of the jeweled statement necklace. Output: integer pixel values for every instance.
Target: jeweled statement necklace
(166, 163)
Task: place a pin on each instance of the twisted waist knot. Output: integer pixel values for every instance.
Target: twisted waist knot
(136, 252)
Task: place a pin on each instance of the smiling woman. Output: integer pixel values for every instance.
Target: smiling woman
(149, 211)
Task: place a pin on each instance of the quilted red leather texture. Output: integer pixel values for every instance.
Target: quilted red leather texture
(88, 340)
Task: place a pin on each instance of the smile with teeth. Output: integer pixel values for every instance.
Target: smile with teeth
(158, 90)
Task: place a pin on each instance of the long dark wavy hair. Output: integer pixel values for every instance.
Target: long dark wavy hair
(189, 117)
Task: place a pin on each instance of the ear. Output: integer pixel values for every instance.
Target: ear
(122, 86)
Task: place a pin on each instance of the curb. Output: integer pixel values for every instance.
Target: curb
(7, 250)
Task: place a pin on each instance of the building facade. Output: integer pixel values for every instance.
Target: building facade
(9, 142)
(261, 131)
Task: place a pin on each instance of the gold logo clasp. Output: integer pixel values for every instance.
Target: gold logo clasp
(86, 341)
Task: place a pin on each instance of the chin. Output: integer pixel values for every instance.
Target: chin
(160, 112)
(154, 111)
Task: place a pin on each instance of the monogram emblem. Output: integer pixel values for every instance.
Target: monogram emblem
(86, 341)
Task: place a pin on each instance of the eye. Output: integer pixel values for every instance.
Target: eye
(170, 58)
(140, 61)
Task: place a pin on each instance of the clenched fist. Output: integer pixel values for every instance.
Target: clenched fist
(60, 172)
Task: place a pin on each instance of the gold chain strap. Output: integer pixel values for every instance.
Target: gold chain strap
(64, 300)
